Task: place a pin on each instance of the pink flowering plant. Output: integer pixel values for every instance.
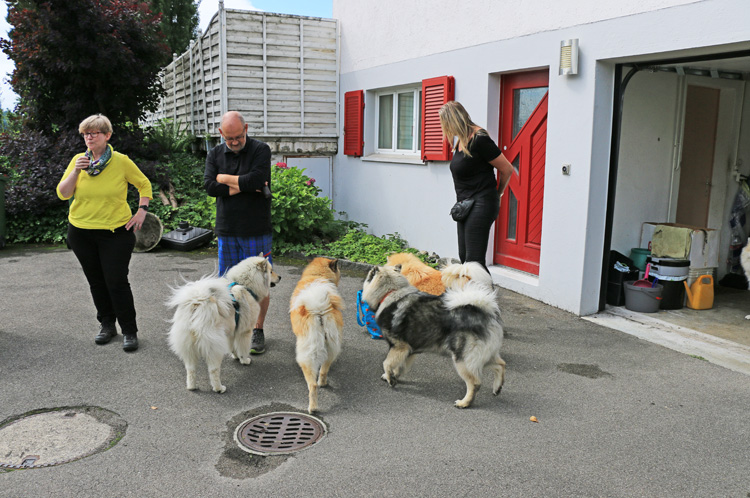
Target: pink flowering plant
(299, 216)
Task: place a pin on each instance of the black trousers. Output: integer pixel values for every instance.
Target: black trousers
(474, 230)
(105, 256)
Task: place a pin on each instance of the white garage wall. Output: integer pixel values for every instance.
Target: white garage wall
(646, 147)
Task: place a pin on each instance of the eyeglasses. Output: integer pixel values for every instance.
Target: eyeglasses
(235, 139)
(91, 134)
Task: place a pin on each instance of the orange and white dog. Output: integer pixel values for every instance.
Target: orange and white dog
(420, 275)
(315, 310)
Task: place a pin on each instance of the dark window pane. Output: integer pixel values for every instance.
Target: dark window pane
(512, 215)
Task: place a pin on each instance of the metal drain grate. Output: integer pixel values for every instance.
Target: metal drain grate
(279, 433)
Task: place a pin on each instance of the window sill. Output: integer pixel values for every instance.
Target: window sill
(393, 158)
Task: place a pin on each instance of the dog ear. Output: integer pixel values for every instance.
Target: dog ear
(334, 265)
(397, 268)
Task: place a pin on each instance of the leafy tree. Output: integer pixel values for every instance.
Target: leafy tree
(179, 22)
(74, 58)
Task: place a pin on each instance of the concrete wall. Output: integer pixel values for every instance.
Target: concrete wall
(476, 43)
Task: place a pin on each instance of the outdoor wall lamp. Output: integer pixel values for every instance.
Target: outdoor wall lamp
(569, 56)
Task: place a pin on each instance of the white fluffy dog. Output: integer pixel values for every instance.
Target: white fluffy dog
(457, 275)
(216, 316)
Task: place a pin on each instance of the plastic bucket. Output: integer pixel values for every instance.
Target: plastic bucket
(671, 273)
(664, 268)
(643, 299)
(639, 256)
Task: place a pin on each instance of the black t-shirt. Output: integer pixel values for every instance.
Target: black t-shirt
(473, 175)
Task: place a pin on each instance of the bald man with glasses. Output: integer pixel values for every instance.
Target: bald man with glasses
(236, 172)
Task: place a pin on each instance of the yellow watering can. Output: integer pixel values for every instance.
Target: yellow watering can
(700, 295)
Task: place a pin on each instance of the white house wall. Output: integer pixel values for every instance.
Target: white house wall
(414, 200)
(400, 30)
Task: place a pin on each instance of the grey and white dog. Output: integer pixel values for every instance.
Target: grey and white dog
(463, 322)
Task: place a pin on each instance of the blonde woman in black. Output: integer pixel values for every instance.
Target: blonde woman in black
(475, 159)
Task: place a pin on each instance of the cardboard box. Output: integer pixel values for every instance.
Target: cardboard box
(704, 243)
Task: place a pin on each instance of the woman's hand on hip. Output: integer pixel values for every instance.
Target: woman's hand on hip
(136, 222)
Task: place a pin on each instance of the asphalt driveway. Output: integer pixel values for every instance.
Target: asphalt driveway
(617, 416)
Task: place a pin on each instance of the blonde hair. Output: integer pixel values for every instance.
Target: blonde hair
(96, 122)
(455, 122)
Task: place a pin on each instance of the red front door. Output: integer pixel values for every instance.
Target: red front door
(523, 140)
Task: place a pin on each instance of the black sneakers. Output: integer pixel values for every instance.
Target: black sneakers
(107, 332)
(130, 342)
(258, 342)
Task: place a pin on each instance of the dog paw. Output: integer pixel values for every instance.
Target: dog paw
(191, 387)
(245, 361)
(461, 404)
(747, 317)
(390, 380)
(498, 391)
(221, 389)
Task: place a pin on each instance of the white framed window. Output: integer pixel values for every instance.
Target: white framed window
(398, 119)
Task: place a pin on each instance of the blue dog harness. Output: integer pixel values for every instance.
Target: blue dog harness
(366, 318)
(236, 304)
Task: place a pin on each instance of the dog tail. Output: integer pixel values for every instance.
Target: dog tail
(201, 307)
(317, 315)
(473, 294)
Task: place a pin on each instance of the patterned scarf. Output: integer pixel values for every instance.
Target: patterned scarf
(98, 166)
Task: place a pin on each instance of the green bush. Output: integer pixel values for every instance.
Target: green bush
(170, 136)
(300, 219)
(186, 197)
(357, 245)
(48, 228)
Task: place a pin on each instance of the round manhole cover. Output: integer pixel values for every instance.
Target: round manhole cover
(57, 436)
(279, 433)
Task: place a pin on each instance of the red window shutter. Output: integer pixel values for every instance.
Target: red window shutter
(435, 93)
(354, 106)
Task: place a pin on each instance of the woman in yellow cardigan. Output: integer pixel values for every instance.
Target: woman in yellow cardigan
(101, 226)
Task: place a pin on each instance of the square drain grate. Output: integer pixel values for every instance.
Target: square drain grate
(279, 433)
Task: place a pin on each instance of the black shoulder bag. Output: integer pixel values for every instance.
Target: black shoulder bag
(461, 209)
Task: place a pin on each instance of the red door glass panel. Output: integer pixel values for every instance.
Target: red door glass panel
(523, 140)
